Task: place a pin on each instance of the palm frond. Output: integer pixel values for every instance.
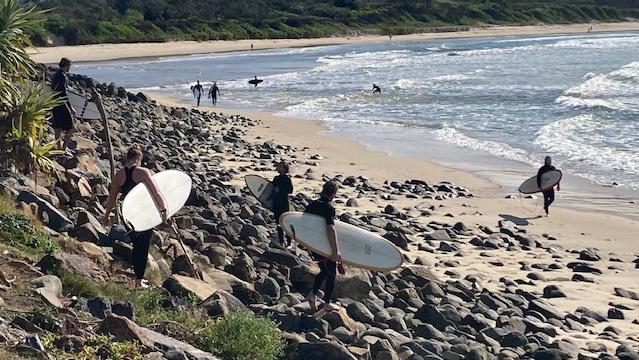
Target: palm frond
(14, 41)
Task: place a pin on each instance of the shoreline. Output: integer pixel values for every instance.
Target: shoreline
(577, 227)
(106, 52)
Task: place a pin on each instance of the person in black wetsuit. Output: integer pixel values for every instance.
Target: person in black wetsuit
(214, 91)
(376, 89)
(328, 266)
(549, 195)
(198, 90)
(123, 182)
(282, 187)
(62, 120)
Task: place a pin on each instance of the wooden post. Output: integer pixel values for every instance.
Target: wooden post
(107, 139)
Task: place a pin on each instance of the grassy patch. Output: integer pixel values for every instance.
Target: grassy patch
(96, 347)
(17, 230)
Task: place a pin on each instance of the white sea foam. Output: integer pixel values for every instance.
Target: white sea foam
(580, 139)
(455, 137)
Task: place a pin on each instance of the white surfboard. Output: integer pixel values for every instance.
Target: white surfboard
(139, 209)
(261, 188)
(359, 248)
(548, 180)
(84, 107)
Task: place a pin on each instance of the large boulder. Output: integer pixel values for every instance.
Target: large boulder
(355, 284)
(72, 263)
(303, 276)
(54, 219)
(223, 280)
(179, 285)
(282, 257)
(318, 351)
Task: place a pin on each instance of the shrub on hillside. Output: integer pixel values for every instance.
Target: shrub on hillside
(19, 231)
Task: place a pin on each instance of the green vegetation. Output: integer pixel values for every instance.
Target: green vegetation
(96, 347)
(115, 21)
(23, 233)
(238, 335)
(23, 104)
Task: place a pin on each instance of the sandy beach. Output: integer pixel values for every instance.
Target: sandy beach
(101, 52)
(573, 230)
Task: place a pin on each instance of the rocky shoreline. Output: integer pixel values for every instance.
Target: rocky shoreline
(440, 305)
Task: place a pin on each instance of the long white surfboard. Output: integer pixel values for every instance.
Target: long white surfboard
(548, 180)
(359, 248)
(261, 188)
(139, 209)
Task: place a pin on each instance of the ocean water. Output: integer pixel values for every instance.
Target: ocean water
(496, 106)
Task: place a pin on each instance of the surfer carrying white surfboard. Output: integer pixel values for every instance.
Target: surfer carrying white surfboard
(123, 182)
(328, 266)
(62, 121)
(198, 90)
(282, 187)
(549, 195)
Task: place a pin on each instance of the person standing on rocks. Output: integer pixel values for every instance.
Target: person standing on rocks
(214, 91)
(282, 188)
(62, 114)
(198, 90)
(549, 195)
(123, 182)
(328, 266)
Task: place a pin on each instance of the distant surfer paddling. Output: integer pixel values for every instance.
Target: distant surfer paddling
(255, 81)
(282, 187)
(198, 90)
(122, 183)
(214, 91)
(376, 89)
(549, 195)
(62, 114)
(328, 266)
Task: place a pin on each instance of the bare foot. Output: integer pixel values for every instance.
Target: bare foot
(311, 301)
(330, 307)
(141, 284)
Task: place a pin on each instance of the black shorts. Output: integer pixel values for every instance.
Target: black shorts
(62, 118)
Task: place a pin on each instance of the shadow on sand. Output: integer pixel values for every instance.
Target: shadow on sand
(518, 220)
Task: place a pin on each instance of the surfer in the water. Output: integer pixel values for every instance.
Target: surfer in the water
(214, 91)
(123, 182)
(282, 187)
(62, 114)
(328, 266)
(197, 91)
(549, 195)
(376, 89)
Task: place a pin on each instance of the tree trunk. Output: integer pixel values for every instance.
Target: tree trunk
(107, 139)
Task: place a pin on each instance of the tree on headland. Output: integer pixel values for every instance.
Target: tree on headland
(24, 105)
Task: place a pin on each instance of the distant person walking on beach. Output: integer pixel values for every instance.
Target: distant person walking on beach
(328, 266)
(549, 195)
(282, 187)
(198, 90)
(251, 46)
(62, 114)
(122, 183)
(376, 89)
(214, 91)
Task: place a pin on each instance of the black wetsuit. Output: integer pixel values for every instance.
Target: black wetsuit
(213, 93)
(62, 118)
(280, 201)
(328, 268)
(549, 195)
(199, 90)
(376, 89)
(141, 240)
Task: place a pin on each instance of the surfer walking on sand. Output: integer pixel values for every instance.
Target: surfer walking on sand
(282, 187)
(376, 89)
(328, 266)
(122, 183)
(62, 114)
(549, 195)
(214, 91)
(197, 91)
